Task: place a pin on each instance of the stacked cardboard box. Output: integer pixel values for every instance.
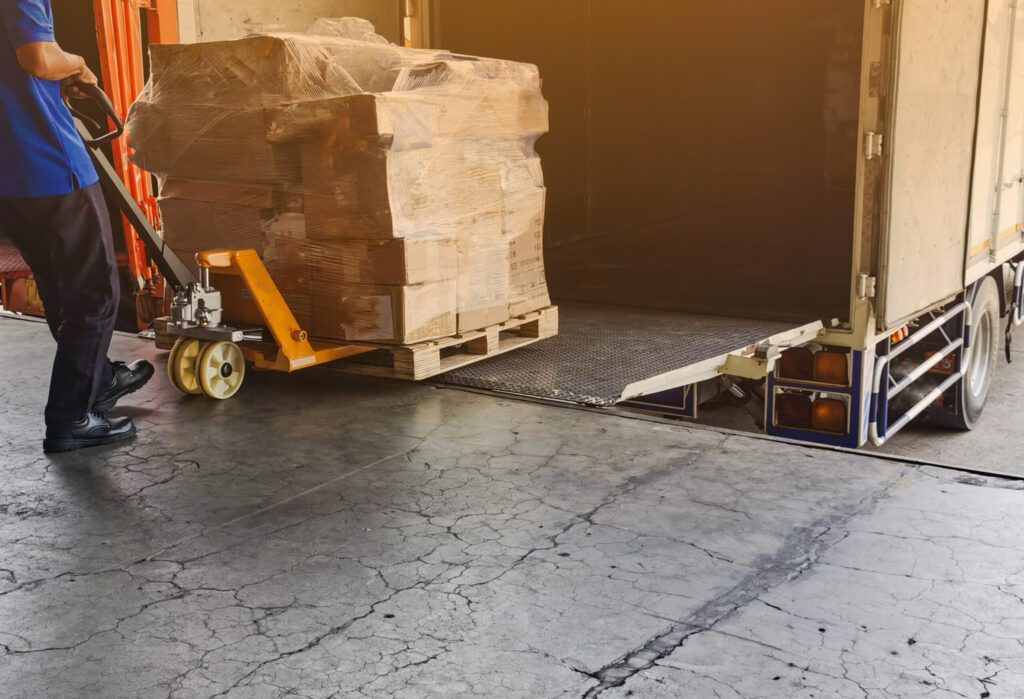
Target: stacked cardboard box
(394, 194)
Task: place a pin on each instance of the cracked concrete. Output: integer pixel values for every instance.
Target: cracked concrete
(327, 536)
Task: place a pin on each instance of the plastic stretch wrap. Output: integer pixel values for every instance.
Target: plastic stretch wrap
(395, 194)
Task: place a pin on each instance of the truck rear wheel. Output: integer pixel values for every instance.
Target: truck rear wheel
(981, 366)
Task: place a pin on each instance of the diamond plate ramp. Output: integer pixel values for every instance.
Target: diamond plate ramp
(601, 351)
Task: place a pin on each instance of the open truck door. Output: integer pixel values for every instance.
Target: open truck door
(928, 154)
(950, 209)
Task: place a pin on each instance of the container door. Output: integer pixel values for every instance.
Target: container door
(928, 148)
(1010, 223)
(998, 199)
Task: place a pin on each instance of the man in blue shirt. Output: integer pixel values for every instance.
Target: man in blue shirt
(53, 210)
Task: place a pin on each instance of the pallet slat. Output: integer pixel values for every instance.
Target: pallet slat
(164, 340)
(429, 359)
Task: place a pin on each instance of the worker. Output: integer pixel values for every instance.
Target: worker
(52, 209)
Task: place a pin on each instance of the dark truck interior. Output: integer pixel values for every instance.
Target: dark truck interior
(686, 172)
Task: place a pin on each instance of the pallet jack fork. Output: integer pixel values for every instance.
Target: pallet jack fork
(210, 357)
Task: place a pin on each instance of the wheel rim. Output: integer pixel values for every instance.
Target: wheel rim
(981, 355)
(181, 366)
(170, 364)
(222, 370)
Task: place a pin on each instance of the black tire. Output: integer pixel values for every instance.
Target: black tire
(974, 390)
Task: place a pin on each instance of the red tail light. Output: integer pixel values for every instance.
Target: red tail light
(832, 368)
(796, 363)
(831, 415)
(794, 410)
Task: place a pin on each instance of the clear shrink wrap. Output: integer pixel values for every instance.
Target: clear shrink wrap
(394, 194)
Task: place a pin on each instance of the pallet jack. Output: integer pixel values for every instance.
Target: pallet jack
(210, 357)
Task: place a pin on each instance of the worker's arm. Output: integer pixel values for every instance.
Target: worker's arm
(30, 30)
(47, 61)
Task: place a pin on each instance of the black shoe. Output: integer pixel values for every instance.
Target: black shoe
(93, 430)
(128, 378)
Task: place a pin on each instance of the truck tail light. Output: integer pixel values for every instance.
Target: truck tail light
(812, 410)
(825, 366)
(832, 368)
(900, 335)
(831, 415)
(796, 363)
(794, 410)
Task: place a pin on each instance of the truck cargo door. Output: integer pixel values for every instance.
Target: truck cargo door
(928, 150)
(997, 208)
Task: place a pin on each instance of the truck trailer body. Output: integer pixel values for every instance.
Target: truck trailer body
(853, 169)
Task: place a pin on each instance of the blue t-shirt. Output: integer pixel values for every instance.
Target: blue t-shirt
(41, 153)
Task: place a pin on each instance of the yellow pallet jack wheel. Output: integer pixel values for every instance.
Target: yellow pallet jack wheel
(221, 370)
(181, 366)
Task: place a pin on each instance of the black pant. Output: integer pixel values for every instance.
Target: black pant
(67, 242)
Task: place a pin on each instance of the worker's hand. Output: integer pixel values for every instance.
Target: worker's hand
(69, 85)
(88, 77)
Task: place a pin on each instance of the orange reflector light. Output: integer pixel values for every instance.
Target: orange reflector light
(794, 410)
(796, 363)
(832, 368)
(947, 367)
(830, 415)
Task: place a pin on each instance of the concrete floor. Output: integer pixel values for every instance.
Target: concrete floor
(329, 536)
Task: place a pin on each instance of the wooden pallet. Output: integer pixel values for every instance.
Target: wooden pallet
(428, 359)
(164, 340)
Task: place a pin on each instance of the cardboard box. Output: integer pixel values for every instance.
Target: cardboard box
(210, 142)
(527, 300)
(526, 262)
(288, 260)
(395, 195)
(523, 210)
(391, 262)
(235, 194)
(387, 314)
(526, 253)
(363, 189)
(247, 73)
(480, 318)
(188, 257)
(484, 291)
(346, 193)
(240, 310)
(200, 225)
(257, 196)
(488, 110)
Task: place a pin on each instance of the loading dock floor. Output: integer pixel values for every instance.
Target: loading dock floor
(605, 354)
(335, 536)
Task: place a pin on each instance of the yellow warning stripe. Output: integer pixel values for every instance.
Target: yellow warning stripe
(1008, 233)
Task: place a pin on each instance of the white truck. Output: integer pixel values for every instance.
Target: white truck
(817, 203)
